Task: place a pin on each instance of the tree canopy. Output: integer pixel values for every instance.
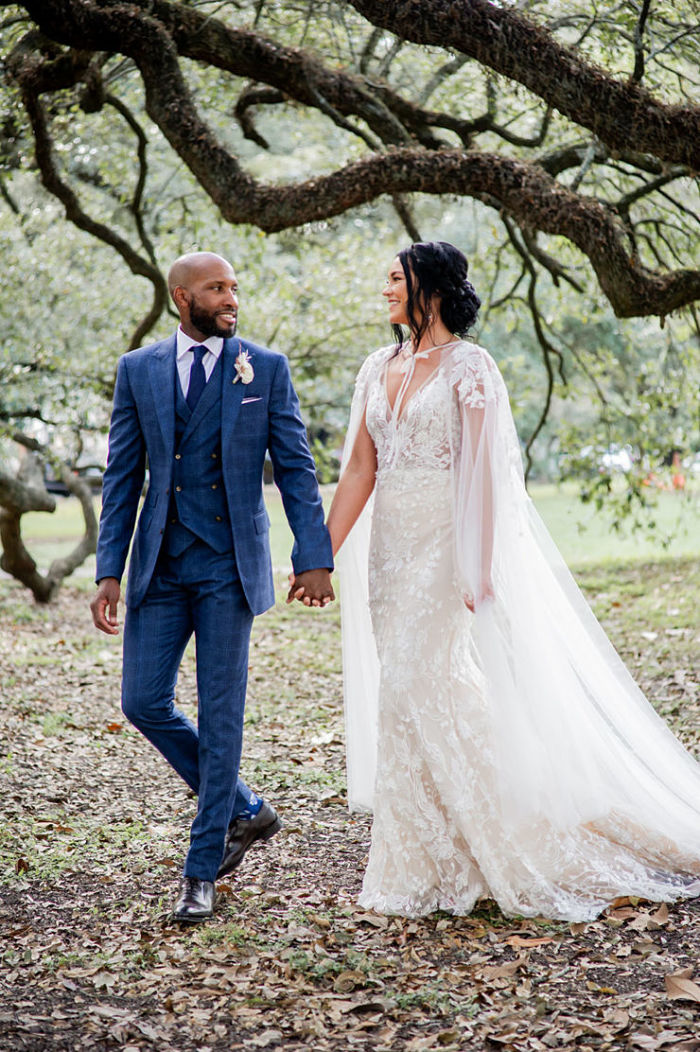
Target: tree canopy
(574, 117)
(559, 143)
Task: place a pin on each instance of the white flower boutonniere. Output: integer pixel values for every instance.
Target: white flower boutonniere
(243, 368)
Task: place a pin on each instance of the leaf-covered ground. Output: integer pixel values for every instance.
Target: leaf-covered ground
(94, 827)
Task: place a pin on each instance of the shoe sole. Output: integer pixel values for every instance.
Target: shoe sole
(265, 834)
(192, 920)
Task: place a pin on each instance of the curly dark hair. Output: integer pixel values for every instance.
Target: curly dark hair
(437, 268)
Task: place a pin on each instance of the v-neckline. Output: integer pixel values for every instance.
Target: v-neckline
(393, 418)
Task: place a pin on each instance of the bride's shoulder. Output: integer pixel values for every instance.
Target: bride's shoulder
(471, 358)
(473, 369)
(470, 354)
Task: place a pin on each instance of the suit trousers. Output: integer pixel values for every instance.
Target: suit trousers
(196, 592)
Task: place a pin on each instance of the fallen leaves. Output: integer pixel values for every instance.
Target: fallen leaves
(94, 828)
(520, 941)
(680, 987)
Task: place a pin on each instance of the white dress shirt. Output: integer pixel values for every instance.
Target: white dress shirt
(185, 357)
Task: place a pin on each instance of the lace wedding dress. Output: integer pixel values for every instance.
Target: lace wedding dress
(506, 754)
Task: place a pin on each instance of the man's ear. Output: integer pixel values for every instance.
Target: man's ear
(181, 297)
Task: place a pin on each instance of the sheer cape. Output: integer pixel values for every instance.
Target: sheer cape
(581, 755)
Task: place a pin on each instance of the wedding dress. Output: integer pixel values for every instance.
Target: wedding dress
(506, 754)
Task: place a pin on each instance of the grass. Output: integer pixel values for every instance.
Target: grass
(583, 535)
(586, 536)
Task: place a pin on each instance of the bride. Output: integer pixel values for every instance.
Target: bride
(491, 727)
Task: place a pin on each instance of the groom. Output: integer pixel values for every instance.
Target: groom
(200, 410)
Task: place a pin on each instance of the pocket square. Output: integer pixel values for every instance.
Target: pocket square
(246, 401)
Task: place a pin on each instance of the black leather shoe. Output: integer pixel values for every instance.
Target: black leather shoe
(196, 902)
(245, 831)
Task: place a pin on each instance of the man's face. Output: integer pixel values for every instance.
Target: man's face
(212, 301)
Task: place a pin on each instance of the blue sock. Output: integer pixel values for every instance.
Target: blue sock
(252, 808)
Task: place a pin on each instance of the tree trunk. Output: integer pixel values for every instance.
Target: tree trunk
(28, 493)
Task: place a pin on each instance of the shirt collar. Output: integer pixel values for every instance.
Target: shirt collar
(185, 343)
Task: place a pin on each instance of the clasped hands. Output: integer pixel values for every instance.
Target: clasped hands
(312, 587)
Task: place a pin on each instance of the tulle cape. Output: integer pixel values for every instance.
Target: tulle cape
(577, 745)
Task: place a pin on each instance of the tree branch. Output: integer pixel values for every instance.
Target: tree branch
(638, 71)
(523, 190)
(28, 71)
(547, 347)
(506, 42)
(254, 95)
(17, 496)
(137, 197)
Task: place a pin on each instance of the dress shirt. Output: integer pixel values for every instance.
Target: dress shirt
(185, 357)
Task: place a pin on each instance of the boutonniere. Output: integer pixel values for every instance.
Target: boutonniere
(243, 368)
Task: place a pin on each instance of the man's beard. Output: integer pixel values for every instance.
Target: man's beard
(208, 324)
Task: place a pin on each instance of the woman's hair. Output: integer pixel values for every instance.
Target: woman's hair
(436, 268)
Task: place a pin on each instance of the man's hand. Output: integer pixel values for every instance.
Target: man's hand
(312, 587)
(104, 606)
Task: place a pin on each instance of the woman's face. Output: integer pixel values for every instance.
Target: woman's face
(396, 292)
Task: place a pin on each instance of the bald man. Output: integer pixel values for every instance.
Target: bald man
(202, 409)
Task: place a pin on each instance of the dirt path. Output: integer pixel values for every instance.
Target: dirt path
(94, 828)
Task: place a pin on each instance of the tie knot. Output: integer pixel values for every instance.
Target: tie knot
(199, 353)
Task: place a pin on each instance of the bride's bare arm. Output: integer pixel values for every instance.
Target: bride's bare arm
(351, 495)
(354, 488)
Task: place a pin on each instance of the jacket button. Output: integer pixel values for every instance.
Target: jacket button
(218, 518)
(215, 485)
(178, 456)
(213, 456)
(178, 489)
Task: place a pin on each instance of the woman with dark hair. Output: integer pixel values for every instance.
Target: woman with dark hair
(504, 748)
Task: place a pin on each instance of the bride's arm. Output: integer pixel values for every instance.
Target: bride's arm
(475, 486)
(482, 502)
(354, 488)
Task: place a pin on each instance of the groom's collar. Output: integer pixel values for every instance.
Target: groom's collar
(184, 343)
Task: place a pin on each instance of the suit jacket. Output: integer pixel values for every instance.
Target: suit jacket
(256, 417)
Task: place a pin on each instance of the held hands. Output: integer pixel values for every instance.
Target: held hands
(104, 606)
(312, 587)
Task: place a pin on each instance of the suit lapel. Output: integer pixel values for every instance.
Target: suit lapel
(161, 370)
(231, 390)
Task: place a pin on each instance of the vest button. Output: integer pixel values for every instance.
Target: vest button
(178, 489)
(178, 456)
(213, 456)
(215, 485)
(218, 518)
(173, 521)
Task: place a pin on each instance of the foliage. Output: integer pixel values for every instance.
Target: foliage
(307, 141)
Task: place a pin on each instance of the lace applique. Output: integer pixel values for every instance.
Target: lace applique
(516, 759)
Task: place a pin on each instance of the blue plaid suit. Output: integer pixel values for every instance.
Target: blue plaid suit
(211, 593)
